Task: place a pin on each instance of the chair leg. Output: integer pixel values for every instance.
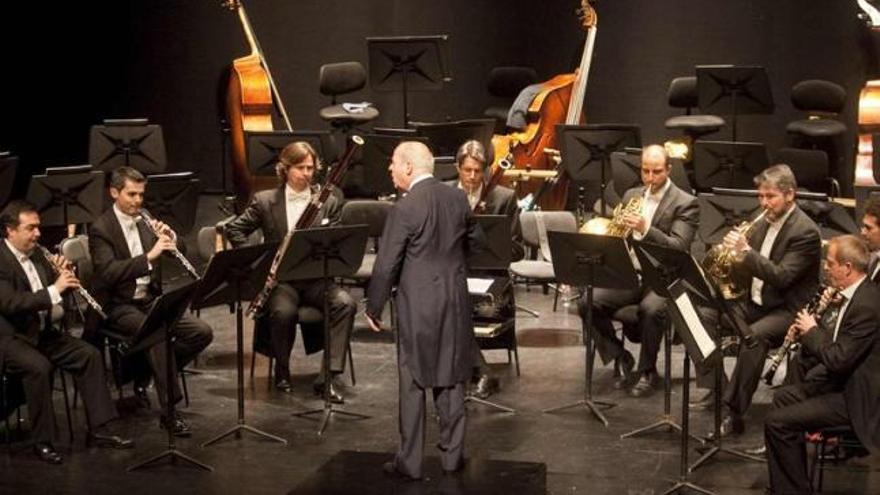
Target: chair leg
(66, 406)
(253, 361)
(555, 298)
(182, 375)
(351, 365)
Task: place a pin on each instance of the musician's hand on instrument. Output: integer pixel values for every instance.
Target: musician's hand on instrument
(163, 229)
(66, 280)
(736, 241)
(60, 262)
(374, 325)
(637, 223)
(164, 243)
(804, 321)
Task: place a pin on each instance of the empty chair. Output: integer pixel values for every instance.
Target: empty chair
(339, 79)
(535, 225)
(810, 168)
(682, 93)
(821, 100)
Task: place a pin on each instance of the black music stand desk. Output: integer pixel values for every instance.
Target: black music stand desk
(67, 195)
(733, 90)
(728, 164)
(159, 325)
(587, 260)
(233, 276)
(322, 253)
(130, 142)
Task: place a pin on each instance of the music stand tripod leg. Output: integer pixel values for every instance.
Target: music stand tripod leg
(471, 397)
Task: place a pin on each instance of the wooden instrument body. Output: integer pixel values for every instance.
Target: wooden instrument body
(869, 110)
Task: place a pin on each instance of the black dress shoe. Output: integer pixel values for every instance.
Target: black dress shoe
(757, 451)
(391, 470)
(176, 424)
(335, 397)
(704, 403)
(283, 385)
(730, 425)
(486, 386)
(106, 440)
(646, 385)
(627, 363)
(47, 453)
(143, 398)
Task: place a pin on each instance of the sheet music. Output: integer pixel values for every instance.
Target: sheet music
(704, 341)
(479, 285)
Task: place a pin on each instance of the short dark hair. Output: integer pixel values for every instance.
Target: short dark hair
(122, 174)
(472, 149)
(778, 176)
(872, 207)
(294, 154)
(9, 217)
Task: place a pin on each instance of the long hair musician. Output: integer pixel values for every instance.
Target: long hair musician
(276, 212)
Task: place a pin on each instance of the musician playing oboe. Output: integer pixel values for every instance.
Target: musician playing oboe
(841, 389)
(125, 253)
(275, 212)
(31, 342)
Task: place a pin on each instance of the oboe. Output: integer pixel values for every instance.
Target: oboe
(814, 306)
(84, 294)
(190, 269)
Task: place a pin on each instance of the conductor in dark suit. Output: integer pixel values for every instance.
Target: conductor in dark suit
(845, 392)
(126, 256)
(782, 255)
(31, 342)
(668, 217)
(470, 161)
(275, 212)
(422, 251)
(871, 234)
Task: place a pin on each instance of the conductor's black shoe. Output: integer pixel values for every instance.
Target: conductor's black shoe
(486, 386)
(105, 439)
(283, 385)
(176, 424)
(627, 363)
(646, 385)
(47, 453)
(757, 451)
(730, 425)
(334, 396)
(391, 470)
(704, 403)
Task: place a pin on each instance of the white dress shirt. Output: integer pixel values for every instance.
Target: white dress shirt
(876, 259)
(847, 295)
(649, 206)
(472, 196)
(30, 270)
(295, 204)
(135, 248)
(766, 249)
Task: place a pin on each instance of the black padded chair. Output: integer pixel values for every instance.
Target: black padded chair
(846, 438)
(682, 93)
(339, 79)
(810, 168)
(821, 100)
(505, 84)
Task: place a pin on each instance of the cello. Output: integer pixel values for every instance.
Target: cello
(869, 109)
(249, 107)
(559, 100)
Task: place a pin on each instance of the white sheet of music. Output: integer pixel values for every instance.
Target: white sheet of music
(479, 285)
(704, 341)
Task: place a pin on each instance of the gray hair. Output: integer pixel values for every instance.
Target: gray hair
(418, 155)
(779, 176)
(853, 250)
(472, 149)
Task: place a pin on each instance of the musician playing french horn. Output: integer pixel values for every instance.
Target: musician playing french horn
(780, 256)
(275, 212)
(668, 216)
(126, 254)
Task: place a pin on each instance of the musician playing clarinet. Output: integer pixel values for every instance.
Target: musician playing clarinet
(275, 212)
(125, 252)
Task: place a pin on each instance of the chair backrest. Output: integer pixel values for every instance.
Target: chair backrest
(366, 211)
(810, 167)
(682, 93)
(76, 250)
(556, 221)
(818, 96)
(507, 82)
(207, 242)
(341, 78)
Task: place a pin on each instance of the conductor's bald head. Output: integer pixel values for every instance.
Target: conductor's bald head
(410, 160)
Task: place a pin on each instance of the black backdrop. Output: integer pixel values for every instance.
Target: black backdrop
(72, 64)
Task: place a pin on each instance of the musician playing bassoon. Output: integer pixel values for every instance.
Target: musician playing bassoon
(275, 212)
(125, 252)
(669, 218)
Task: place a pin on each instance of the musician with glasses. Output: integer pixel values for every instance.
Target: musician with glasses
(841, 389)
(32, 343)
(275, 212)
(781, 254)
(668, 217)
(125, 254)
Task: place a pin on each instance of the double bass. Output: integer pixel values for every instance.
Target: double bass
(869, 108)
(558, 101)
(249, 106)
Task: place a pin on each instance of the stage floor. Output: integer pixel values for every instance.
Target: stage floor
(525, 452)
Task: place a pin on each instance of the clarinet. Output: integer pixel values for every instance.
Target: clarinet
(308, 217)
(814, 306)
(84, 294)
(190, 269)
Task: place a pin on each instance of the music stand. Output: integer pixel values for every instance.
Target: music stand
(721, 212)
(586, 151)
(495, 257)
(8, 167)
(67, 195)
(408, 63)
(173, 198)
(159, 324)
(375, 156)
(626, 170)
(231, 277)
(130, 142)
(728, 164)
(587, 260)
(264, 147)
(446, 137)
(322, 253)
(733, 90)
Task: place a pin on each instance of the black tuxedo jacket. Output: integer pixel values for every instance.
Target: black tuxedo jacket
(852, 362)
(502, 201)
(18, 304)
(675, 221)
(423, 251)
(791, 273)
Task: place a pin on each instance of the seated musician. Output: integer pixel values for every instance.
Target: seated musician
(668, 217)
(31, 342)
(782, 255)
(871, 235)
(840, 389)
(470, 161)
(276, 212)
(125, 254)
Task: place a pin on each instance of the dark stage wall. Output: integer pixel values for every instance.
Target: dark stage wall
(164, 60)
